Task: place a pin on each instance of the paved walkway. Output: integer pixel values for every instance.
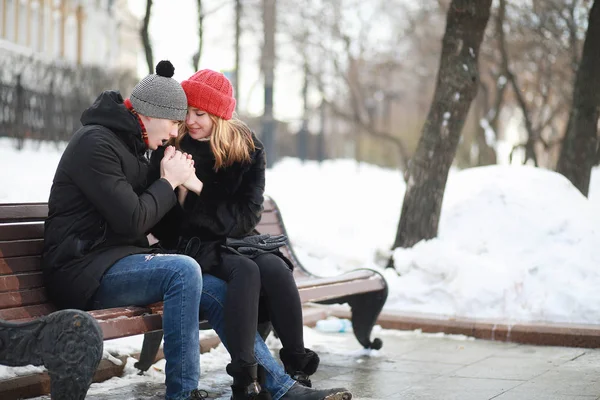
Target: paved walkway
(412, 366)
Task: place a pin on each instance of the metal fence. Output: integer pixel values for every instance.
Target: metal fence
(43, 101)
(30, 114)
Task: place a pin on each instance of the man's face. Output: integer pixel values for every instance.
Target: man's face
(159, 131)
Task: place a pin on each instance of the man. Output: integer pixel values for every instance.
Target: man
(96, 254)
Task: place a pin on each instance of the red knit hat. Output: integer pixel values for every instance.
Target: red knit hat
(210, 91)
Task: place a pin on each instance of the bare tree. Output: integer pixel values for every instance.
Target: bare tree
(542, 42)
(202, 14)
(268, 69)
(457, 84)
(350, 70)
(580, 143)
(238, 34)
(532, 134)
(198, 53)
(145, 36)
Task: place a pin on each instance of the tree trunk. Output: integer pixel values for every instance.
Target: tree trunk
(533, 135)
(578, 153)
(456, 87)
(146, 38)
(238, 34)
(198, 54)
(321, 151)
(268, 67)
(302, 136)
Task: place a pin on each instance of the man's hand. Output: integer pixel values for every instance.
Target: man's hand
(176, 167)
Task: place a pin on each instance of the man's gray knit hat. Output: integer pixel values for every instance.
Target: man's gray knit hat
(159, 95)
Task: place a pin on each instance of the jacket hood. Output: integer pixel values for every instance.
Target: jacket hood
(109, 111)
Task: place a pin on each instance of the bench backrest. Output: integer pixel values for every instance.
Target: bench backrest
(22, 295)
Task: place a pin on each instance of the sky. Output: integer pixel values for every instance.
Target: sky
(173, 31)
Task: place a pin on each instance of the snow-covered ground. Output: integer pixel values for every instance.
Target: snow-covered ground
(515, 242)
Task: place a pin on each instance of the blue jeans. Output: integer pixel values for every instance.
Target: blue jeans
(177, 280)
(142, 279)
(211, 309)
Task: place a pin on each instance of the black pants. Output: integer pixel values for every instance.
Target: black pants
(246, 277)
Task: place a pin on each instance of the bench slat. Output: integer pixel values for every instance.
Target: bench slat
(268, 218)
(15, 265)
(120, 312)
(14, 231)
(18, 248)
(271, 229)
(269, 205)
(117, 328)
(19, 314)
(321, 281)
(337, 290)
(30, 280)
(23, 212)
(23, 298)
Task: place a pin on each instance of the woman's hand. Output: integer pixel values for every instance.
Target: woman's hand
(193, 184)
(181, 194)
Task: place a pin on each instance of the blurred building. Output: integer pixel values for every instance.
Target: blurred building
(81, 32)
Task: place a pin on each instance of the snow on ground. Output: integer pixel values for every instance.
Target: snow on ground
(515, 242)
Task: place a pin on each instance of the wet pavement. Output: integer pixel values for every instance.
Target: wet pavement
(411, 366)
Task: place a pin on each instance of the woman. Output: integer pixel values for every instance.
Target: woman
(226, 202)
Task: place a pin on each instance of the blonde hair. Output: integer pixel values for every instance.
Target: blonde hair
(230, 142)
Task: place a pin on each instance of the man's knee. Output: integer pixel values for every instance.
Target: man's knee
(189, 271)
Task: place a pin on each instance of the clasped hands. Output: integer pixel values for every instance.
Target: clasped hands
(178, 169)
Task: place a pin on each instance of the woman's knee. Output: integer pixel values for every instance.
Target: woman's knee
(244, 269)
(273, 268)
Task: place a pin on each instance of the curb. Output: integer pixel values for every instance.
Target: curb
(541, 334)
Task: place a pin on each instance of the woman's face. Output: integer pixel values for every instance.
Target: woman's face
(198, 123)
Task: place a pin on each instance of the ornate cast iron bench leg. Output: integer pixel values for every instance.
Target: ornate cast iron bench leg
(67, 342)
(365, 310)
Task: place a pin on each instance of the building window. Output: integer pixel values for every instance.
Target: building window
(56, 34)
(2, 16)
(36, 24)
(71, 38)
(10, 20)
(46, 39)
(22, 21)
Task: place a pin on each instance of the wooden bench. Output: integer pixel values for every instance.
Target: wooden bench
(23, 297)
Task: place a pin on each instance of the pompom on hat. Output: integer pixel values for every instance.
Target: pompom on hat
(210, 91)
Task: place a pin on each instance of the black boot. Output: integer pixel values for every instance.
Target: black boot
(300, 366)
(299, 392)
(246, 384)
(197, 394)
